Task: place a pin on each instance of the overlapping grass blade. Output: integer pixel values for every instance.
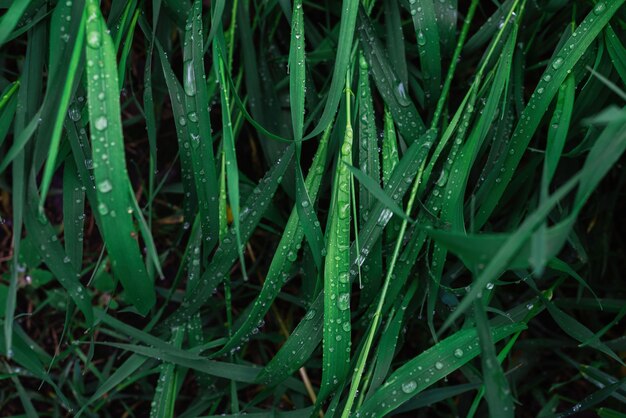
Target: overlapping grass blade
(551, 80)
(199, 126)
(285, 256)
(165, 396)
(392, 90)
(297, 89)
(227, 252)
(369, 162)
(427, 35)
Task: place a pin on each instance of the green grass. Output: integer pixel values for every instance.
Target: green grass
(295, 209)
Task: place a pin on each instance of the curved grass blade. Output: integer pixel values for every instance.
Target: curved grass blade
(126, 369)
(298, 347)
(429, 367)
(236, 372)
(593, 399)
(616, 51)
(112, 182)
(579, 332)
(51, 252)
(11, 18)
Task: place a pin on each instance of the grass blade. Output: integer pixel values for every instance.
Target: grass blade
(112, 182)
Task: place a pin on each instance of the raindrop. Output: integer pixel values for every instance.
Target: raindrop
(600, 7)
(94, 39)
(105, 186)
(189, 80)
(421, 39)
(557, 63)
(343, 302)
(74, 113)
(409, 387)
(101, 123)
(458, 353)
(103, 209)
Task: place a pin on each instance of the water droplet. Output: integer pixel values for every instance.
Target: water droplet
(105, 186)
(458, 353)
(557, 63)
(343, 302)
(346, 148)
(182, 121)
(438, 365)
(409, 387)
(443, 177)
(421, 39)
(310, 315)
(193, 117)
(74, 113)
(101, 123)
(94, 39)
(600, 7)
(103, 209)
(189, 79)
(362, 63)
